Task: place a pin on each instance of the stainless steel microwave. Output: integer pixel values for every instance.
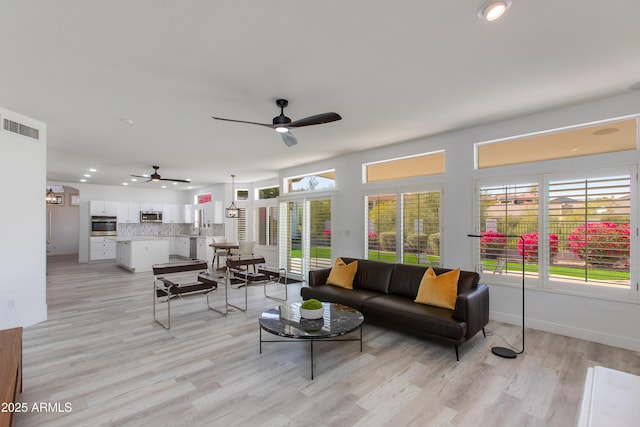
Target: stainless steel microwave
(150, 216)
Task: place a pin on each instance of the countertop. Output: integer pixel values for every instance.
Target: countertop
(147, 238)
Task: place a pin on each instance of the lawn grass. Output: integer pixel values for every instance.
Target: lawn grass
(488, 264)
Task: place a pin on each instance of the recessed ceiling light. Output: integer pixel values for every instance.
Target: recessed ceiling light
(83, 180)
(127, 121)
(164, 186)
(93, 170)
(87, 175)
(189, 187)
(125, 183)
(175, 183)
(133, 179)
(492, 10)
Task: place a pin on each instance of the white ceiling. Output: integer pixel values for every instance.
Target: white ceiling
(393, 70)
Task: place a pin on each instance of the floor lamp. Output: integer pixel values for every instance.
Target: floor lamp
(503, 351)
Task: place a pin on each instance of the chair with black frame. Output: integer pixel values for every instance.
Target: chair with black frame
(239, 275)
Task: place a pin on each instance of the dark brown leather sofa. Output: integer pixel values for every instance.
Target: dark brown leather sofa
(385, 294)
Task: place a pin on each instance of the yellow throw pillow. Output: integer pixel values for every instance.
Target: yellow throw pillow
(441, 290)
(342, 274)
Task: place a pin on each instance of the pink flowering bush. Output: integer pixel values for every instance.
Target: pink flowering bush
(530, 246)
(601, 243)
(492, 244)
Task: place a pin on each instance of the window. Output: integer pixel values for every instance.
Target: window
(267, 225)
(416, 219)
(267, 193)
(507, 212)
(406, 167)
(602, 138)
(313, 182)
(590, 221)
(577, 239)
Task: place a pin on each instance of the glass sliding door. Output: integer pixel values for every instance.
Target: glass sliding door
(305, 235)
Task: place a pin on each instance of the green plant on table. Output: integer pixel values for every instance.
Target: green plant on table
(311, 304)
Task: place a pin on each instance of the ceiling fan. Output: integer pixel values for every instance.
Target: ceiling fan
(155, 176)
(282, 123)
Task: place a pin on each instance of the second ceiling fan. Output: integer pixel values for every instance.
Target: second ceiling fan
(282, 123)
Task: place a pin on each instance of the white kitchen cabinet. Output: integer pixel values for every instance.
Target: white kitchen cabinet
(205, 252)
(173, 214)
(102, 208)
(146, 206)
(141, 255)
(101, 248)
(188, 213)
(182, 246)
(212, 212)
(128, 213)
(172, 246)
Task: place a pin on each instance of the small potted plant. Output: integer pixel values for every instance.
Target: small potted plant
(311, 309)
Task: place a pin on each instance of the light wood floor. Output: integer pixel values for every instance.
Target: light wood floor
(101, 352)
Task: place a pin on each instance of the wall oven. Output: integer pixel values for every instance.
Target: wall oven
(104, 226)
(150, 216)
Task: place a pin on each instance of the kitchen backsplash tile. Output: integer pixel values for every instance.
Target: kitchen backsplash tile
(154, 229)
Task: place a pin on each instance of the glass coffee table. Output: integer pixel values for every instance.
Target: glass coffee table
(284, 321)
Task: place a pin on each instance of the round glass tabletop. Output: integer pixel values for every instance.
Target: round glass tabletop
(285, 321)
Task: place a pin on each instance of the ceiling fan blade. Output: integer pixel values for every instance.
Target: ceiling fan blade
(318, 119)
(175, 180)
(139, 176)
(243, 121)
(288, 138)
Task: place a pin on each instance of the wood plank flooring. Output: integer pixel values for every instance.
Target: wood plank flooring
(101, 354)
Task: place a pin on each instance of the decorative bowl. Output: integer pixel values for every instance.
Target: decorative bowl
(311, 314)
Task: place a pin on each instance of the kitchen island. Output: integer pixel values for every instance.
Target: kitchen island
(140, 253)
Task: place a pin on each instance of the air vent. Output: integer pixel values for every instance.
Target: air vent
(21, 129)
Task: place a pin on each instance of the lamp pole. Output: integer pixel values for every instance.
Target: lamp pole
(503, 351)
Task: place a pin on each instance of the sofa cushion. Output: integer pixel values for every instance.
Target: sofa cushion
(342, 274)
(328, 293)
(440, 290)
(372, 275)
(400, 312)
(406, 279)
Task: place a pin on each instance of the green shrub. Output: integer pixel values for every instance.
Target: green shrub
(434, 243)
(419, 242)
(388, 241)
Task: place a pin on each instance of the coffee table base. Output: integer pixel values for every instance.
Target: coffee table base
(311, 340)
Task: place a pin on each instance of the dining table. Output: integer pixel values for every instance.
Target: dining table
(221, 246)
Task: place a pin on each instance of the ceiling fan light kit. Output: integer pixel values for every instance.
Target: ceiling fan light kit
(283, 124)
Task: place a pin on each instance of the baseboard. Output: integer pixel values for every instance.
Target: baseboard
(570, 331)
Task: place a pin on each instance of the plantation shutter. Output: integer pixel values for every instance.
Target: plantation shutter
(591, 218)
(507, 212)
(421, 227)
(380, 227)
(319, 233)
(261, 226)
(242, 225)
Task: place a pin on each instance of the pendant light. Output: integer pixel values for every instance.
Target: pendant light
(50, 197)
(232, 210)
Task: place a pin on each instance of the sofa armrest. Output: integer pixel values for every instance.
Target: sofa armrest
(318, 277)
(473, 307)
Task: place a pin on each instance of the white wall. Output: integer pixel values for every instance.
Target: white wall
(23, 252)
(605, 321)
